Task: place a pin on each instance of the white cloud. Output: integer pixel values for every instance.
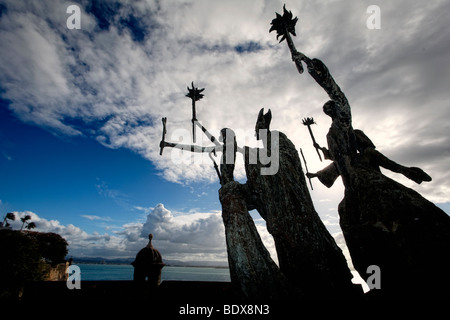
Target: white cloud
(194, 234)
(121, 88)
(178, 236)
(80, 242)
(94, 217)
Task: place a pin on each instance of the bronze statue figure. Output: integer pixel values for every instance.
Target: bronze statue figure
(251, 267)
(384, 223)
(252, 270)
(307, 253)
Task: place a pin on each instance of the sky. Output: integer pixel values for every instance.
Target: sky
(81, 109)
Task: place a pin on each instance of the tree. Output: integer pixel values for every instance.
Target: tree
(26, 256)
(8, 216)
(29, 225)
(20, 262)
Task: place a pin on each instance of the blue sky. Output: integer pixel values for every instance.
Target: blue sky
(69, 178)
(80, 110)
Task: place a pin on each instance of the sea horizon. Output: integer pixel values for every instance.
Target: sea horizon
(117, 272)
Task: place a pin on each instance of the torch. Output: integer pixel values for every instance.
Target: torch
(284, 25)
(195, 94)
(308, 122)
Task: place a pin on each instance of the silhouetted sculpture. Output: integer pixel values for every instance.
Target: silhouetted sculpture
(307, 253)
(251, 267)
(252, 270)
(389, 225)
(368, 158)
(148, 264)
(228, 138)
(384, 223)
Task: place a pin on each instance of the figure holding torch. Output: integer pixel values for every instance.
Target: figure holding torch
(308, 122)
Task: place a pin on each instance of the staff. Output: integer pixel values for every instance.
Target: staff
(308, 122)
(306, 167)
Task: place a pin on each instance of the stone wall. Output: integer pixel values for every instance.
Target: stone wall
(57, 272)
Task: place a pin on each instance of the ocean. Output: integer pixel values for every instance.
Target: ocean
(95, 272)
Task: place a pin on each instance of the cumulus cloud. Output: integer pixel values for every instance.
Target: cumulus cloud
(179, 236)
(194, 233)
(80, 242)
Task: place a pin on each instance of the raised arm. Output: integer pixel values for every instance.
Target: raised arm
(319, 71)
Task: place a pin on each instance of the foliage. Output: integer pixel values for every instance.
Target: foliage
(29, 225)
(20, 262)
(52, 247)
(8, 216)
(24, 258)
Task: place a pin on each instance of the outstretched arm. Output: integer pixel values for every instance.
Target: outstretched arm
(191, 148)
(327, 175)
(413, 173)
